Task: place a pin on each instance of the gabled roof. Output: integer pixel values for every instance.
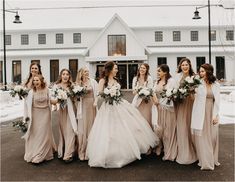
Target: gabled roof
(116, 16)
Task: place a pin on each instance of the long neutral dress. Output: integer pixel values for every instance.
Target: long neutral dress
(166, 130)
(207, 145)
(145, 108)
(66, 146)
(186, 150)
(40, 146)
(119, 135)
(88, 117)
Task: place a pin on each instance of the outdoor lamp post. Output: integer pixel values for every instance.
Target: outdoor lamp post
(196, 17)
(17, 20)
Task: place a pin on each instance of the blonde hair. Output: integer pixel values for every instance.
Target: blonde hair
(80, 73)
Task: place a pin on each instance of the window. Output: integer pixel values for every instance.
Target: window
(54, 70)
(116, 45)
(76, 38)
(200, 61)
(161, 60)
(213, 35)
(158, 36)
(24, 39)
(41, 38)
(179, 59)
(73, 67)
(194, 35)
(229, 35)
(59, 38)
(8, 39)
(220, 67)
(35, 61)
(1, 73)
(16, 71)
(176, 35)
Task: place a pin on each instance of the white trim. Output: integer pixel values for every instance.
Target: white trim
(115, 58)
(116, 16)
(63, 52)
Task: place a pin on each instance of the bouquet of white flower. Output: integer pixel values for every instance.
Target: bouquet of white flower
(112, 95)
(145, 93)
(21, 125)
(78, 91)
(21, 91)
(191, 83)
(61, 95)
(171, 94)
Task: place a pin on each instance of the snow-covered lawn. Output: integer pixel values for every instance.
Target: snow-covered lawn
(12, 108)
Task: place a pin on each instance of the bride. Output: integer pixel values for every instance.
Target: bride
(118, 135)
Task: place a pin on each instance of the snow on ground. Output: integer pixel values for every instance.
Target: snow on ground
(12, 108)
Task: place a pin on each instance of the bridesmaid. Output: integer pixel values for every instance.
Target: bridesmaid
(34, 69)
(86, 111)
(67, 120)
(166, 128)
(186, 151)
(205, 118)
(144, 79)
(39, 141)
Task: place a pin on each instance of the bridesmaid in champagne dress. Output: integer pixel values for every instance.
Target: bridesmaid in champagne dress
(86, 111)
(205, 118)
(67, 120)
(143, 79)
(39, 141)
(186, 151)
(34, 69)
(166, 127)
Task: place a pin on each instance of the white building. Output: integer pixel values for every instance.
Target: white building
(90, 37)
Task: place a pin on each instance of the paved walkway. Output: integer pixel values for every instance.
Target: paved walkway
(149, 168)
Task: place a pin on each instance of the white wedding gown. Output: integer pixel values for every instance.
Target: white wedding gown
(119, 135)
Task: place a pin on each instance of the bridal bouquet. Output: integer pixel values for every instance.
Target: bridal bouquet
(112, 95)
(21, 91)
(21, 125)
(144, 93)
(78, 91)
(170, 94)
(61, 95)
(191, 83)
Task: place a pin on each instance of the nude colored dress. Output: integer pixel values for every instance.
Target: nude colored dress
(167, 128)
(186, 151)
(40, 144)
(88, 117)
(207, 145)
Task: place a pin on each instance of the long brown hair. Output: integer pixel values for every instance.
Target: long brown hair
(179, 70)
(146, 74)
(108, 67)
(30, 74)
(43, 83)
(210, 78)
(59, 80)
(165, 68)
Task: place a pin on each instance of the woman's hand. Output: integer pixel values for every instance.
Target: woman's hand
(215, 121)
(54, 101)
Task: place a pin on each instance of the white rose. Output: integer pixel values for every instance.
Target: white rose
(197, 77)
(175, 91)
(189, 79)
(106, 91)
(146, 92)
(18, 88)
(113, 91)
(168, 92)
(182, 90)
